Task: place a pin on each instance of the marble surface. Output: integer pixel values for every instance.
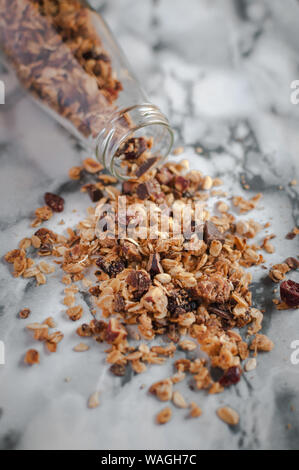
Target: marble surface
(221, 71)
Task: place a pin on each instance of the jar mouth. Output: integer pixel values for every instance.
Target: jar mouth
(145, 121)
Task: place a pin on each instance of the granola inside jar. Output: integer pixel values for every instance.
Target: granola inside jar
(64, 54)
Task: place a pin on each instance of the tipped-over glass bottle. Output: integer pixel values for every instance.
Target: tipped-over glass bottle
(64, 54)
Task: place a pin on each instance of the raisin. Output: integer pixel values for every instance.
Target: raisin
(290, 235)
(55, 202)
(293, 263)
(139, 281)
(164, 176)
(113, 268)
(230, 377)
(94, 193)
(118, 369)
(289, 293)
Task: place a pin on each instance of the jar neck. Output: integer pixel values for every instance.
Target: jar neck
(144, 120)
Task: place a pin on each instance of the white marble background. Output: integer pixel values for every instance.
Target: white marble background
(221, 70)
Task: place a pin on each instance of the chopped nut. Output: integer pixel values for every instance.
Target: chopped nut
(179, 400)
(75, 172)
(164, 415)
(195, 410)
(55, 202)
(228, 415)
(162, 389)
(81, 347)
(92, 166)
(261, 343)
(75, 313)
(31, 357)
(24, 313)
(188, 345)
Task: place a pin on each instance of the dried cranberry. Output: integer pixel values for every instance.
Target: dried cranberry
(289, 293)
(230, 377)
(139, 281)
(293, 263)
(290, 235)
(111, 268)
(118, 369)
(54, 201)
(94, 193)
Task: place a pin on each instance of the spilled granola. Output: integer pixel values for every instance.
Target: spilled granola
(191, 291)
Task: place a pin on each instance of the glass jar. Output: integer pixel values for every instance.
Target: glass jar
(64, 54)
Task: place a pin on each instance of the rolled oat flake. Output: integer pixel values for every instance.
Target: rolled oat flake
(64, 54)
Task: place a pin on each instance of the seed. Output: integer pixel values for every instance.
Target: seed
(75, 172)
(228, 415)
(81, 347)
(289, 293)
(31, 357)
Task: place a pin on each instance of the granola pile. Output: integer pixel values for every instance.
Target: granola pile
(154, 295)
